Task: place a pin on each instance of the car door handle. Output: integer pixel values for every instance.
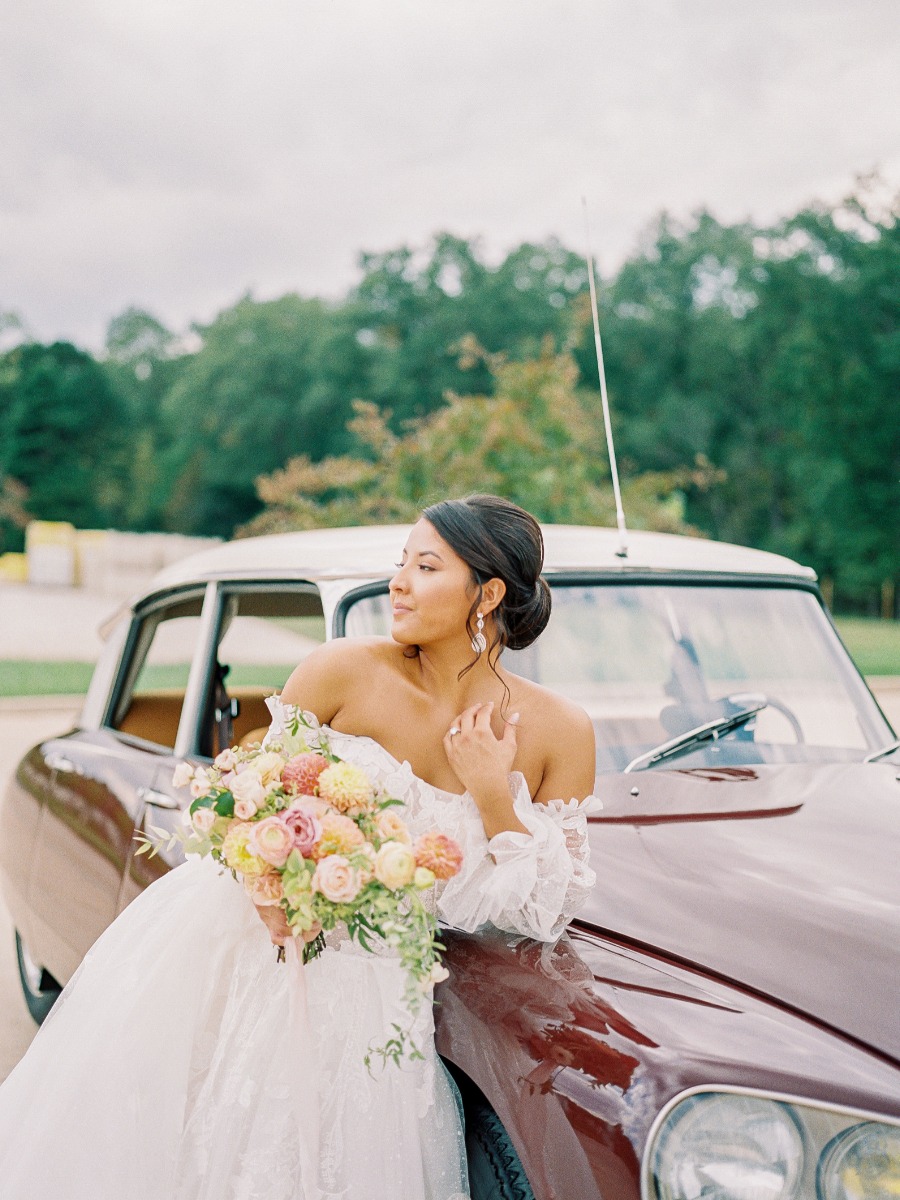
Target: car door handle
(158, 799)
(59, 762)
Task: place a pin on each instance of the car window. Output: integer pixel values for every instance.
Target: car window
(264, 632)
(649, 662)
(151, 690)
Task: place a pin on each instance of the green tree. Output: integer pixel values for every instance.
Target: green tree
(414, 308)
(273, 379)
(535, 439)
(143, 361)
(772, 354)
(61, 436)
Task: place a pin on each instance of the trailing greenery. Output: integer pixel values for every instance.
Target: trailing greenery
(754, 375)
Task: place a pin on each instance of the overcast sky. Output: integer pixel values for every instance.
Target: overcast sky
(174, 154)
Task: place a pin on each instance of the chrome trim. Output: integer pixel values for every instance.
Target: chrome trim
(198, 677)
(32, 972)
(59, 762)
(157, 799)
(889, 749)
(730, 1089)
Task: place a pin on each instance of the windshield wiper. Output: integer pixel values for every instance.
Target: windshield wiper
(881, 753)
(710, 732)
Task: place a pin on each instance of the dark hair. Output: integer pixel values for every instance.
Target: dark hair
(498, 539)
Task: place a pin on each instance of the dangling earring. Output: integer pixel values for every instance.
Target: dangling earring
(479, 641)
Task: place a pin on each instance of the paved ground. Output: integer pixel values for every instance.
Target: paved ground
(51, 623)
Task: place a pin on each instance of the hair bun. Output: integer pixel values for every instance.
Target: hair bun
(526, 621)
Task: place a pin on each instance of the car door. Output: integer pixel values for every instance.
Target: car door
(105, 783)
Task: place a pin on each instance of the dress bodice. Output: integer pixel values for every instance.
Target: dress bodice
(527, 883)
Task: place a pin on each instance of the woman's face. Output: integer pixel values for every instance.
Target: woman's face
(432, 591)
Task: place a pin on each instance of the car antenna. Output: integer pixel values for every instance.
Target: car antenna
(622, 551)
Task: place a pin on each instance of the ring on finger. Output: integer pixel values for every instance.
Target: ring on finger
(454, 730)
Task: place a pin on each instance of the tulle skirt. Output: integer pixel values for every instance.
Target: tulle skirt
(182, 1062)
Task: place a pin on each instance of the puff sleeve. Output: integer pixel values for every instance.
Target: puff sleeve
(527, 883)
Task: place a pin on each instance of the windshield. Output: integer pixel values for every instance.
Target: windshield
(650, 662)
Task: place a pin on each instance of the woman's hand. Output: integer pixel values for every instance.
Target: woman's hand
(274, 919)
(482, 763)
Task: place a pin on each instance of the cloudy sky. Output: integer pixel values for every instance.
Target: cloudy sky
(175, 154)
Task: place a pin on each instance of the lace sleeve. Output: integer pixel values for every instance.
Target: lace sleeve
(528, 883)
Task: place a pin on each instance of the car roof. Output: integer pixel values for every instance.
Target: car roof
(371, 552)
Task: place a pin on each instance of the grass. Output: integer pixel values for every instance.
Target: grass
(44, 678)
(874, 645)
(22, 678)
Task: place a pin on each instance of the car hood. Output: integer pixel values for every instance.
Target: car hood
(785, 879)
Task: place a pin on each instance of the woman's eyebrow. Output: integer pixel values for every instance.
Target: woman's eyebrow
(433, 553)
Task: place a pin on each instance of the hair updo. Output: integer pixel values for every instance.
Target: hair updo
(498, 539)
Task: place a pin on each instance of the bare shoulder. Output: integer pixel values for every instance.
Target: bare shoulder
(322, 682)
(565, 734)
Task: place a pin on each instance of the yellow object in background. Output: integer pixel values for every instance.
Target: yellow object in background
(13, 568)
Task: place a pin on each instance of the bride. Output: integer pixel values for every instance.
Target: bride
(172, 1066)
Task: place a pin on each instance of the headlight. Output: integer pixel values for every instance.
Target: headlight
(735, 1144)
(728, 1147)
(862, 1163)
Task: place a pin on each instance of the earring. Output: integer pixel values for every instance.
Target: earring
(479, 641)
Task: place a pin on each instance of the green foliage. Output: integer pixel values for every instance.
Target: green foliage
(142, 363)
(535, 439)
(775, 355)
(414, 310)
(271, 380)
(62, 437)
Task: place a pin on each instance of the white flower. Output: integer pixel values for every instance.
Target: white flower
(183, 775)
(226, 759)
(439, 973)
(200, 785)
(248, 787)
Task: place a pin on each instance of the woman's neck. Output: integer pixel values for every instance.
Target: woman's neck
(437, 668)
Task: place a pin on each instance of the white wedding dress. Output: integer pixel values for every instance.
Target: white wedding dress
(170, 1067)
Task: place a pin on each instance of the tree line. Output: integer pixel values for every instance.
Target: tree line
(754, 376)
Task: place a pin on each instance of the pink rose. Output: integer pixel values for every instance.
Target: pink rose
(203, 819)
(271, 840)
(305, 827)
(244, 810)
(264, 889)
(336, 879)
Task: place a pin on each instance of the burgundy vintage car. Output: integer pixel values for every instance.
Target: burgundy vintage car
(722, 1021)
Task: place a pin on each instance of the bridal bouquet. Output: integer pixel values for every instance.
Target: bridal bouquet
(312, 833)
